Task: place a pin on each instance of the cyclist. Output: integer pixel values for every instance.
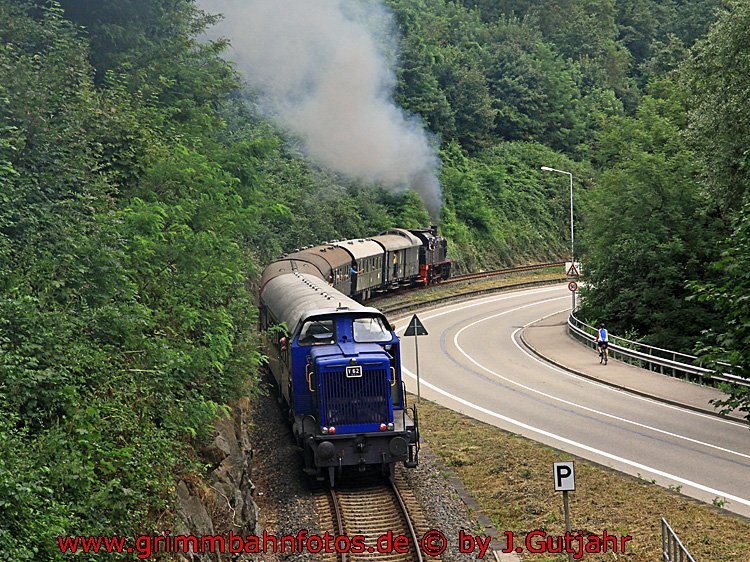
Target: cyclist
(602, 342)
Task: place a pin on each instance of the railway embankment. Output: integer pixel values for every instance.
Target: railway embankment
(255, 482)
(289, 502)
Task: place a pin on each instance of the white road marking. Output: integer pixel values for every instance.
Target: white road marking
(615, 389)
(562, 439)
(696, 485)
(562, 400)
(453, 308)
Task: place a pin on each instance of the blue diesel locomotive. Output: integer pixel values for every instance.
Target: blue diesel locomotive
(338, 368)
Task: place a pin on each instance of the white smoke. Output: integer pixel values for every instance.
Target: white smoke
(321, 69)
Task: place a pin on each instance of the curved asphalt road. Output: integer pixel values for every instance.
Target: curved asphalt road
(473, 362)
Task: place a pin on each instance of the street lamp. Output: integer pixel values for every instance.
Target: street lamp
(547, 169)
(572, 247)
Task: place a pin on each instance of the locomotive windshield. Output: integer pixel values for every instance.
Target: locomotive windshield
(317, 332)
(370, 330)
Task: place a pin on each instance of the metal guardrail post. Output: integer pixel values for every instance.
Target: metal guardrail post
(671, 546)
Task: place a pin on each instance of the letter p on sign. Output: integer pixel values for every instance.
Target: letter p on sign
(565, 479)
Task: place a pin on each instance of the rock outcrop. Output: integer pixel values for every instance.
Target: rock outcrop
(223, 501)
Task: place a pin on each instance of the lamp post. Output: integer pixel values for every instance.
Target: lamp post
(572, 247)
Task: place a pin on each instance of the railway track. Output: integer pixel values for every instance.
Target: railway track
(374, 509)
(392, 304)
(501, 272)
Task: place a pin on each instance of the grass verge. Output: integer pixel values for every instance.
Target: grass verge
(415, 297)
(511, 478)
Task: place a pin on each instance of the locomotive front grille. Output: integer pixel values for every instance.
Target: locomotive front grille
(355, 400)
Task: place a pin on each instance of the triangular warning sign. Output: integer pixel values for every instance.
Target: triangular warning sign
(572, 272)
(416, 328)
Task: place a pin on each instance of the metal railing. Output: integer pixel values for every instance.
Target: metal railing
(672, 550)
(664, 361)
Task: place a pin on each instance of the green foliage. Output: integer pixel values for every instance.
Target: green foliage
(665, 59)
(692, 19)
(151, 45)
(595, 33)
(645, 24)
(646, 230)
(136, 196)
(537, 94)
(443, 77)
(719, 80)
(138, 192)
(125, 319)
(729, 295)
(500, 208)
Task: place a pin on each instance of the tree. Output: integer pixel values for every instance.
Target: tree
(500, 208)
(535, 92)
(719, 79)
(638, 23)
(692, 19)
(586, 32)
(418, 89)
(125, 319)
(152, 46)
(646, 229)
(729, 343)
(463, 80)
(442, 76)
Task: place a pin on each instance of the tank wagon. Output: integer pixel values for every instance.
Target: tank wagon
(336, 361)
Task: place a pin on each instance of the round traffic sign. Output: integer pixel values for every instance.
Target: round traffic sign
(573, 286)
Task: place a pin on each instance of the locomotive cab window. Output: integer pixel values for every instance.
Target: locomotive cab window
(370, 330)
(317, 332)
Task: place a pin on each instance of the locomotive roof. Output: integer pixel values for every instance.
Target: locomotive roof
(294, 297)
(415, 241)
(362, 248)
(393, 242)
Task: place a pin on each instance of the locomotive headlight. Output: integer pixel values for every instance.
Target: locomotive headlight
(331, 430)
(324, 431)
(390, 427)
(383, 427)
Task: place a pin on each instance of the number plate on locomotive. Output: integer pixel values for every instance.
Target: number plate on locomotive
(354, 372)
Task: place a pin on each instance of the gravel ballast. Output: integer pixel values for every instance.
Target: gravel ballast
(286, 497)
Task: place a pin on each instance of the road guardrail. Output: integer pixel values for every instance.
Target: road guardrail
(657, 359)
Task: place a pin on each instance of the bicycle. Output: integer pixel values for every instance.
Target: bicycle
(603, 352)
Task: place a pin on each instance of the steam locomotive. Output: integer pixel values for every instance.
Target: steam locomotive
(336, 361)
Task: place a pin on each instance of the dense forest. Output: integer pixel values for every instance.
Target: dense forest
(141, 192)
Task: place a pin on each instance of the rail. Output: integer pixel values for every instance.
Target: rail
(373, 507)
(653, 358)
(407, 518)
(338, 519)
(501, 272)
(672, 549)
